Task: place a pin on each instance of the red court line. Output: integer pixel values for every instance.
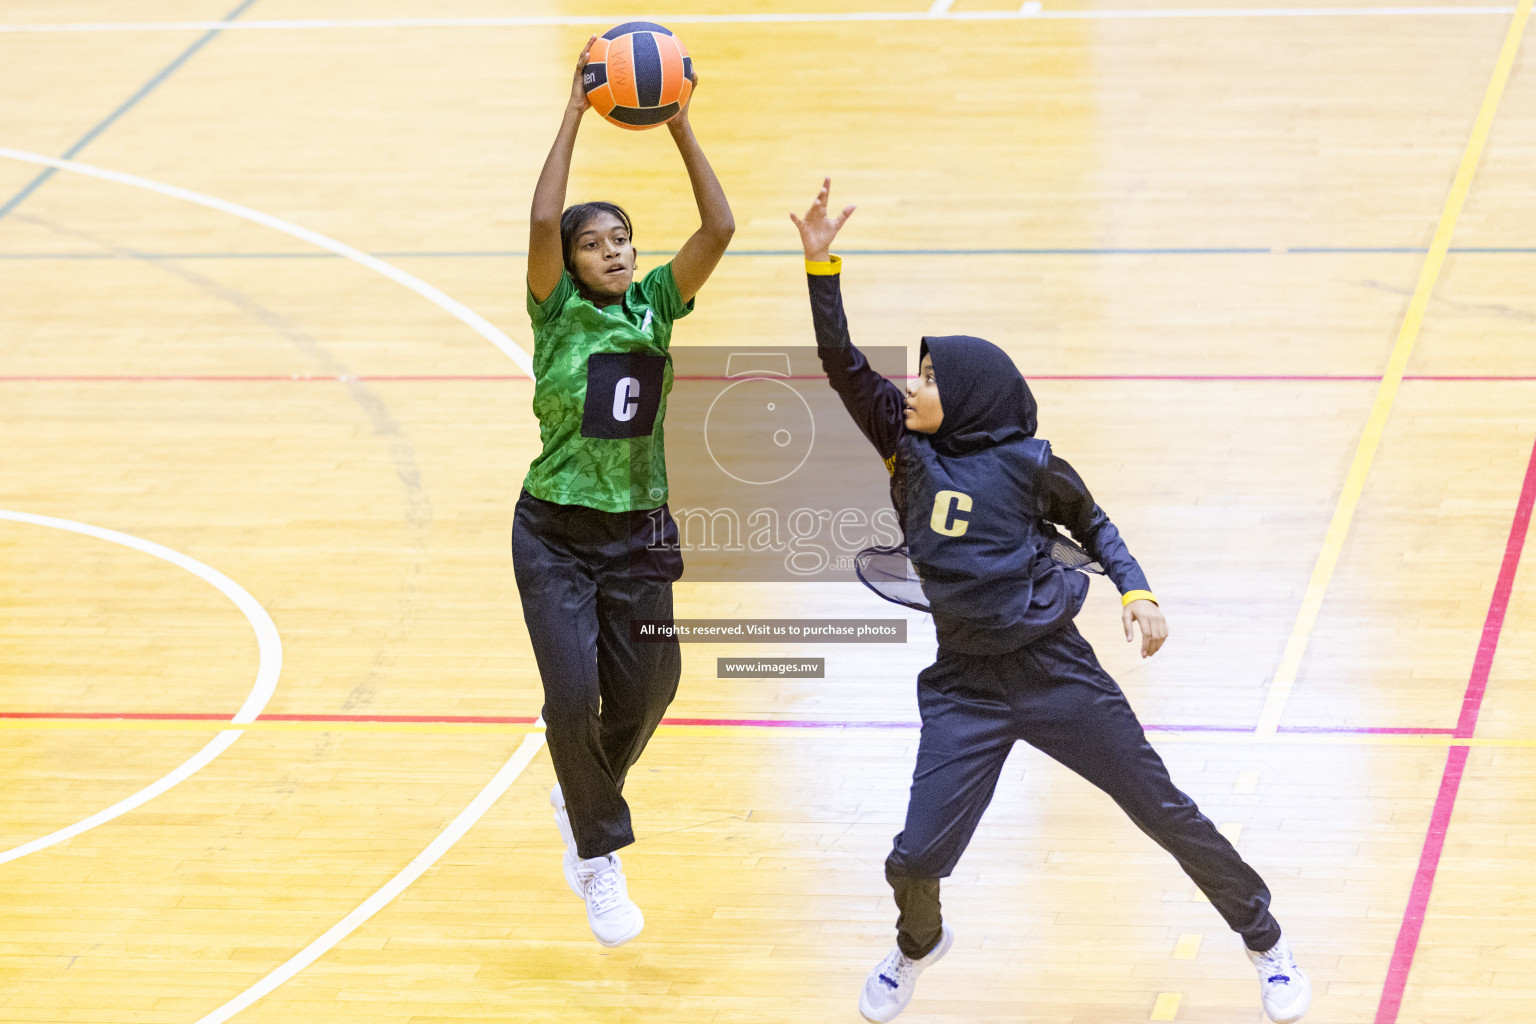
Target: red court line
(189, 716)
(1456, 759)
(290, 378)
(787, 723)
(430, 719)
(147, 716)
(1198, 377)
(310, 378)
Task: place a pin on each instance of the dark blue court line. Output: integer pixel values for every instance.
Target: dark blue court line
(1327, 249)
(127, 105)
(519, 253)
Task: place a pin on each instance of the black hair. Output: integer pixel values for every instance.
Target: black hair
(576, 217)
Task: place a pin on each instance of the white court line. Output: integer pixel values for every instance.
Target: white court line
(479, 324)
(394, 887)
(811, 17)
(499, 782)
(269, 665)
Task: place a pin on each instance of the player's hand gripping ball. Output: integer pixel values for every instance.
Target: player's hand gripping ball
(638, 75)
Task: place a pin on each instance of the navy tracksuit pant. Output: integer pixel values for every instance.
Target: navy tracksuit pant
(1052, 694)
(583, 574)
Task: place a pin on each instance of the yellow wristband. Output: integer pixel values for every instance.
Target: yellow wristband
(825, 268)
(1136, 595)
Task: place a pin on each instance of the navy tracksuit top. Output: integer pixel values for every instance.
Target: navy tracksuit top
(978, 499)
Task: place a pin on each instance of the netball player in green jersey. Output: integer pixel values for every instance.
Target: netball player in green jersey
(593, 505)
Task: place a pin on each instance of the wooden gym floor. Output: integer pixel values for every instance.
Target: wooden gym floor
(1269, 270)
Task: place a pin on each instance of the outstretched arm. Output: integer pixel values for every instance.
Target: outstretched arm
(875, 404)
(546, 259)
(697, 259)
(1068, 502)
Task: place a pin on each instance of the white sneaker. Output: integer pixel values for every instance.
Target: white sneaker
(613, 916)
(1286, 992)
(889, 987)
(563, 822)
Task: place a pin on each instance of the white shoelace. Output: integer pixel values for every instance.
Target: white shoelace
(603, 890)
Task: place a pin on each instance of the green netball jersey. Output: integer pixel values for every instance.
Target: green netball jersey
(601, 379)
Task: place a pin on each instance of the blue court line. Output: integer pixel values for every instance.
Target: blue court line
(519, 253)
(127, 105)
(1326, 249)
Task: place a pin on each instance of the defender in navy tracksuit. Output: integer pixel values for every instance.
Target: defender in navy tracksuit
(976, 498)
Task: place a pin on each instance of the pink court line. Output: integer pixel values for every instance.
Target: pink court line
(192, 716)
(749, 723)
(1199, 377)
(1370, 730)
(309, 378)
(1456, 758)
(189, 716)
(1276, 377)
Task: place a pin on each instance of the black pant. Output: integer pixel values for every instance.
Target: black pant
(583, 574)
(1053, 694)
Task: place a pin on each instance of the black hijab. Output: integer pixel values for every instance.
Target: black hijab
(985, 399)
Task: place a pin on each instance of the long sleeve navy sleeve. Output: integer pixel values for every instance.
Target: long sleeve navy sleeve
(1068, 503)
(875, 404)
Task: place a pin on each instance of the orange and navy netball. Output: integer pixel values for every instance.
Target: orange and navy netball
(638, 75)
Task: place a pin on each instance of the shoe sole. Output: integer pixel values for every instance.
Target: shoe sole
(871, 1017)
(946, 939)
(619, 942)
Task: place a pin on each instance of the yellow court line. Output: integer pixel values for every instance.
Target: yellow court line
(1392, 379)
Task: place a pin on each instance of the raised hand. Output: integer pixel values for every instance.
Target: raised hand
(817, 230)
(701, 253)
(579, 102)
(546, 257)
(680, 119)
